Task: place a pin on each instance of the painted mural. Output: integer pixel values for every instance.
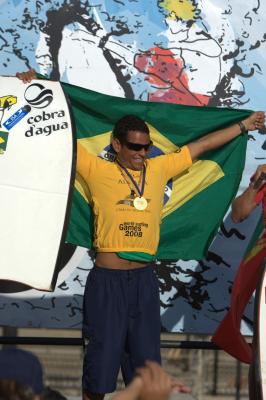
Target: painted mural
(194, 52)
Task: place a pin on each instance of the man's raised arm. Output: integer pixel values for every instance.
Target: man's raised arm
(219, 138)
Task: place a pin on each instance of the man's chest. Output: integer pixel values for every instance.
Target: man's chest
(114, 187)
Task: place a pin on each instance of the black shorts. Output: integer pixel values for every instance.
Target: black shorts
(121, 325)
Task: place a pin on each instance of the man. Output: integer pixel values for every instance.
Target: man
(121, 300)
(228, 335)
(244, 204)
(21, 374)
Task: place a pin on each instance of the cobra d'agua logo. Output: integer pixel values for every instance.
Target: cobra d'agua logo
(38, 96)
(43, 122)
(46, 123)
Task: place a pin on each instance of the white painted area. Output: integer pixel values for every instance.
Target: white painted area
(87, 65)
(82, 62)
(72, 264)
(201, 55)
(42, 54)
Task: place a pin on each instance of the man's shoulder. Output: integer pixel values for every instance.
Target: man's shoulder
(157, 158)
(160, 158)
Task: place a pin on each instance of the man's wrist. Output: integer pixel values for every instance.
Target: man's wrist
(259, 181)
(242, 127)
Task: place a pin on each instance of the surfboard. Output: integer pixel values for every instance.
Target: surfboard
(37, 163)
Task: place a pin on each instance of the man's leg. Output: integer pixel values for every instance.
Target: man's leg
(104, 325)
(92, 396)
(143, 336)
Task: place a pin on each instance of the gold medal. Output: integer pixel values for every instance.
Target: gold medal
(140, 203)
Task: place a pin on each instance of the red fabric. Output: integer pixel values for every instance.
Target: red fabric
(228, 336)
(261, 197)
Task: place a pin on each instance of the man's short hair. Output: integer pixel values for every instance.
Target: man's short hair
(129, 123)
(12, 390)
(23, 367)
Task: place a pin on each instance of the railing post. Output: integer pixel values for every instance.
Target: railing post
(9, 331)
(238, 379)
(215, 373)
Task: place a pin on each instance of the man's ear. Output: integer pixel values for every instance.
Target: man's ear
(116, 145)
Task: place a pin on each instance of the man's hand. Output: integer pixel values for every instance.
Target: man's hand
(179, 387)
(244, 204)
(27, 76)
(151, 383)
(156, 383)
(255, 121)
(259, 178)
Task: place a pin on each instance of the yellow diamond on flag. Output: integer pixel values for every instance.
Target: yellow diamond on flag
(191, 182)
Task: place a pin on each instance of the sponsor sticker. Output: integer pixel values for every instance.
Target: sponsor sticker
(16, 117)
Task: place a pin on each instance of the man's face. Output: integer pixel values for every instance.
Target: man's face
(133, 153)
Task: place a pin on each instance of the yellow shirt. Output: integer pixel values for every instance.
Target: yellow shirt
(119, 226)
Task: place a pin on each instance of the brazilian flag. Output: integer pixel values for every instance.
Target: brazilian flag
(196, 201)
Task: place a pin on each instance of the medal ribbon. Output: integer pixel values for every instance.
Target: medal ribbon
(140, 191)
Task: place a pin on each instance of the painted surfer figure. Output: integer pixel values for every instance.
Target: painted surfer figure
(121, 323)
